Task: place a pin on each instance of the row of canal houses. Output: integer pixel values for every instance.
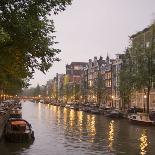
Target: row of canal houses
(97, 81)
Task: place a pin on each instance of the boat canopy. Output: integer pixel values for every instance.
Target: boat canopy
(22, 123)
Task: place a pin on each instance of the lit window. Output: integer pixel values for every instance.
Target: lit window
(147, 44)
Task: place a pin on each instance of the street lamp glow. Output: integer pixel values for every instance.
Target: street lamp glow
(145, 96)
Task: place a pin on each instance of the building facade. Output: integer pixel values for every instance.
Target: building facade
(143, 42)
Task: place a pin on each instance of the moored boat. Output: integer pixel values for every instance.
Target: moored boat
(141, 119)
(18, 130)
(41, 101)
(15, 113)
(114, 114)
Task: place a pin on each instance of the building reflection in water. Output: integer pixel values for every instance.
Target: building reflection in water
(111, 135)
(143, 143)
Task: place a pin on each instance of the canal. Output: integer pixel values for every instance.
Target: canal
(61, 131)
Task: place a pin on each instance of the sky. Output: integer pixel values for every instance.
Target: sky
(89, 28)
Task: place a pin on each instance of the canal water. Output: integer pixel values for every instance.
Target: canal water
(61, 131)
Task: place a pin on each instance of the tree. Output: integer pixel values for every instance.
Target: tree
(138, 71)
(143, 54)
(76, 91)
(126, 79)
(26, 40)
(37, 91)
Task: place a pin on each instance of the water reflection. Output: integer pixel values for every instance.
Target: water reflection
(111, 135)
(15, 148)
(143, 142)
(58, 115)
(39, 111)
(80, 124)
(65, 116)
(68, 132)
(91, 128)
(72, 118)
(80, 118)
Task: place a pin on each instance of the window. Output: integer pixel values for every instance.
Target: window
(147, 44)
(77, 67)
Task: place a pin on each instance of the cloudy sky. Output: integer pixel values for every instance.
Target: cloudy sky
(91, 28)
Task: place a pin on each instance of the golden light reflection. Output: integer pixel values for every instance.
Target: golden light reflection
(51, 107)
(80, 125)
(143, 143)
(58, 115)
(91, 127)
(80, 117)
(39, 111)
(88, 118)
(72, 117)
(54, 109)
(65, 116)
(39, 106)
(111, 135)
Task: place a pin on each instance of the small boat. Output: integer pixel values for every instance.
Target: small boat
(18, 130)
(114, 114)
(152, 116)
(67, 106)
(41, 101)
(141, 118)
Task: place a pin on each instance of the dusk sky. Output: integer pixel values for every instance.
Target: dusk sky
(91, 28)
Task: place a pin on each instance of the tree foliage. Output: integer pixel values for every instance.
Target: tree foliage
(138, 70)
(126, 79)
(26, 37)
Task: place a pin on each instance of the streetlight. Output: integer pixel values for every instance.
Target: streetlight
(144, 101)
(112, 100)
(93, 98)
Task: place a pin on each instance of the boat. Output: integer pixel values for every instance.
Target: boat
(114, 114)
(41, 101)
(15, 113)
(141, 119)
(18, 130)
(94, 111)
(152, 116)
(67, 106)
